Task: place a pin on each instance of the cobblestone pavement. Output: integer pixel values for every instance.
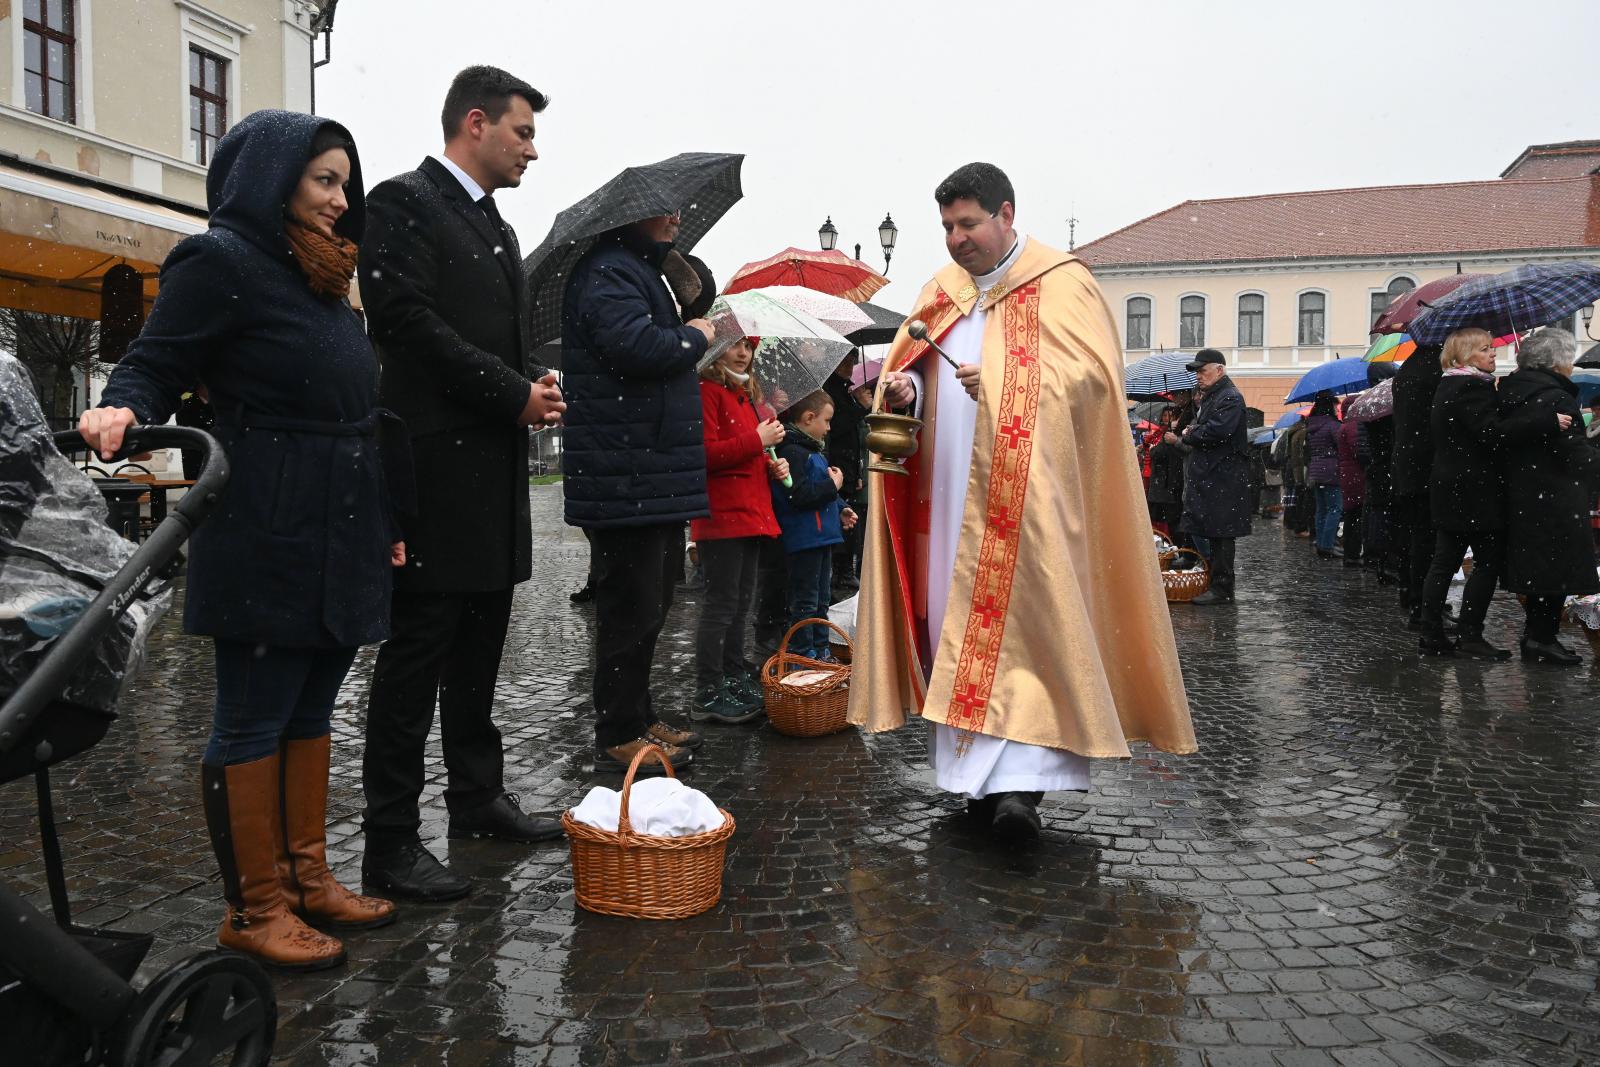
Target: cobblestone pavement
(1373, 860)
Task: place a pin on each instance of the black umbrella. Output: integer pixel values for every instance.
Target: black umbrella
(701, 186)
(1590, 358)
(1147, 411)
(885, 324)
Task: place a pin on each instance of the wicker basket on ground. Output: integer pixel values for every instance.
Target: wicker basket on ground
(806, 697)
(1184, 585)
(642, 876)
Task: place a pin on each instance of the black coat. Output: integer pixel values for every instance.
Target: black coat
(1414, 386)
(1551, 481)
(1468, 490)
(297, 552)
(446, 311)
(846, 435)
(1375, 452)
(1216, 473)
(635, 449)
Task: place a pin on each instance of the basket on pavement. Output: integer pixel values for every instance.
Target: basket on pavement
(1184, 585)
(806, 697)
(641, 876)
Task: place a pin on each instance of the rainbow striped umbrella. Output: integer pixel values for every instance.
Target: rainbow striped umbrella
(1391, 348)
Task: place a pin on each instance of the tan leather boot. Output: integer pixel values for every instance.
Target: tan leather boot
(244, 816)
(308, 885)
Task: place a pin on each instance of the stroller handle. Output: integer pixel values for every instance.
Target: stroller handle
(51, 676)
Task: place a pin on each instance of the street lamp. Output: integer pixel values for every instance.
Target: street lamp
(1588, 317)
(887, 232)
(828, 238)
(828, 235)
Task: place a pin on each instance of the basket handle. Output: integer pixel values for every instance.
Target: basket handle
(1176, 552)
(623, 826)
(783, 647)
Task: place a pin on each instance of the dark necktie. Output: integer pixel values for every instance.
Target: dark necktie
(489, 209)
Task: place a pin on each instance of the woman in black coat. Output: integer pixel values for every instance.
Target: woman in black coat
(292, 571)
(1467, 490)
(1550, 483)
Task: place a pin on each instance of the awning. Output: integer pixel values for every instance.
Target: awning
(58, 237)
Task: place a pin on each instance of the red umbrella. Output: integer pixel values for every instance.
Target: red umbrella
(827, 272)
(1405, 307)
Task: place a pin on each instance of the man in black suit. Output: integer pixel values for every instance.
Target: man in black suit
(441, 275)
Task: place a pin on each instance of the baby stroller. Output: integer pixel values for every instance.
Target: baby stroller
(65, 992)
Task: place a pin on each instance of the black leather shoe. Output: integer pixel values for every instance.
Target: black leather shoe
(411, 872)
(1211, 597)
(1016, 817)
(1436, 644)
(1552, 652)
(982, 809)
(583, 596)
(1473, 646)
(504, 818)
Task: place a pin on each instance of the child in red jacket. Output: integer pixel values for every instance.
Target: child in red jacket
(738, 470)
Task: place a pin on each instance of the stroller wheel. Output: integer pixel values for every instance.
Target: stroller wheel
(214, 1008)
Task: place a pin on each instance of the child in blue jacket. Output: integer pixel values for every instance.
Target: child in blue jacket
(812, 517)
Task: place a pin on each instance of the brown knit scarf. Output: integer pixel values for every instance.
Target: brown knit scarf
(328, 262)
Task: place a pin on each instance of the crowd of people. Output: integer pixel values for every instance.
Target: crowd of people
(1500, 478)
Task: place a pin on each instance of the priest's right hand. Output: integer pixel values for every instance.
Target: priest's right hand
(898, 392)
(102, 429)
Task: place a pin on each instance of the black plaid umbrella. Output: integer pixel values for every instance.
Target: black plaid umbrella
(701, 186)
(1535, 294)
(885, 325)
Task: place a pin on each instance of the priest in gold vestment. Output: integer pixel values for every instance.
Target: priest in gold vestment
(1010, 595)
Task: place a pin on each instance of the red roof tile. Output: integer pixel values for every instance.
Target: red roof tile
(1482, 216)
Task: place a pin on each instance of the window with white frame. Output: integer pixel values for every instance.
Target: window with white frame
(208, 102)
(212, 44)
(1381, 301)
(1138, 330)
(1192, 322)
(1313, 319)
(49, 58)
(1252, 320)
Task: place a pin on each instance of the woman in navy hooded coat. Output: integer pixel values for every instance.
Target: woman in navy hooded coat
(292, 571)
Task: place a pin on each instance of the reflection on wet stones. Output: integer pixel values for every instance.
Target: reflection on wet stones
(1373, 860)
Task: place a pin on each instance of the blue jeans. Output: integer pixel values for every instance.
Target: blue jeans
(810, 583)
(268, 695)
(1330, 508)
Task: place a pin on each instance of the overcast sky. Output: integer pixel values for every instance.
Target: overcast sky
(1109, 111)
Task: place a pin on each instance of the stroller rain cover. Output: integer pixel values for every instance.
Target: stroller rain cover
(56, 553)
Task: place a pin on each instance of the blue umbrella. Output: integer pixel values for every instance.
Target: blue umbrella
(1289, 419)
(1588, 383)
(1148, 378)
(1535, 294)
(1338, 376)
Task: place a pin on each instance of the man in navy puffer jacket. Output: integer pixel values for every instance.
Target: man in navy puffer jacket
(635, 468)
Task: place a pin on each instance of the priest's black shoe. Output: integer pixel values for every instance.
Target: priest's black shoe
(1016, 816)
(982, 809)
(1552, 652)
(504, 818)
(411, 872)
(1211, 597)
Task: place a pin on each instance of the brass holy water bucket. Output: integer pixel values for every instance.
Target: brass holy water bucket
(893, 438)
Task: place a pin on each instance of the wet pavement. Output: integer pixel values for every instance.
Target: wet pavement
(1373, 860)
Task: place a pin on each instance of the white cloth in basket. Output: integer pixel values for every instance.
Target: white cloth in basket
(843, 615)
(659, 807)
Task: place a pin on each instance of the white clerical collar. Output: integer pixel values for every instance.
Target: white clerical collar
(985, 282)
(473, 189)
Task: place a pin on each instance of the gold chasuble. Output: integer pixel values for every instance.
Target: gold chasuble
(1057, 631)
